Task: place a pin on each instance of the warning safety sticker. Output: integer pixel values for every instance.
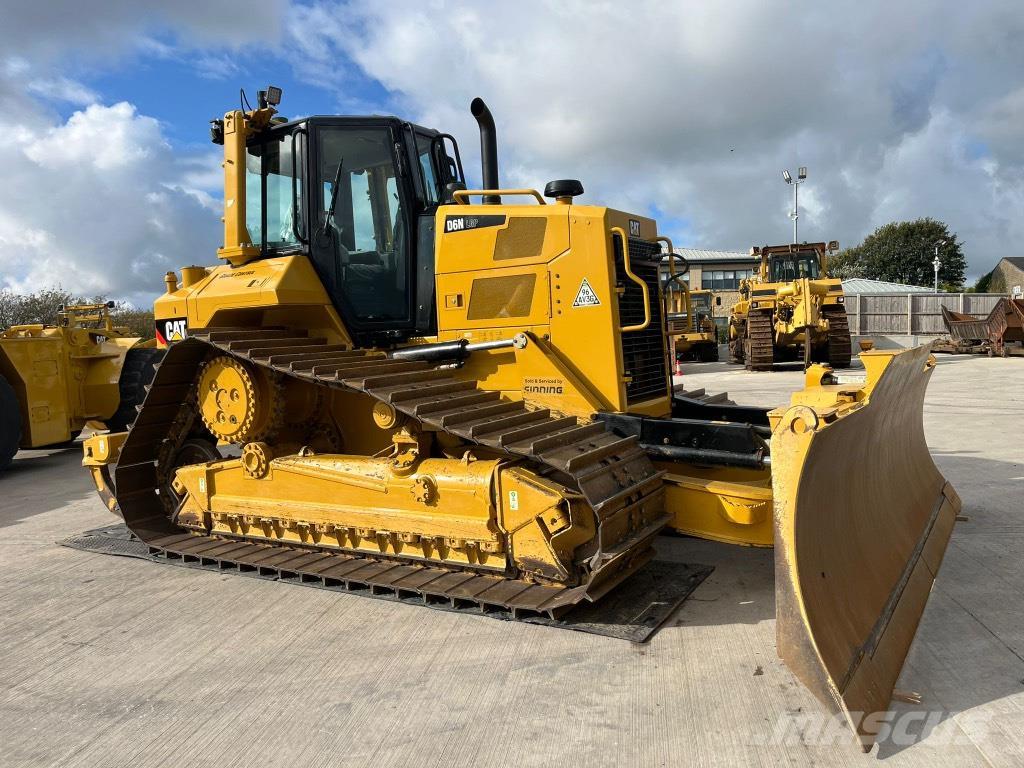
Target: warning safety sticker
(585, 296)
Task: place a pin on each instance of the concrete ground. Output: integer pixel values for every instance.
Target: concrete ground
(107, 661)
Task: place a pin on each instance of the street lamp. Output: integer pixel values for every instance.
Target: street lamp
(801, 176)
(937, 263)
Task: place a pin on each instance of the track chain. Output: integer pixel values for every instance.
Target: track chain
(613, 474)
(759, 349)
(839, 345)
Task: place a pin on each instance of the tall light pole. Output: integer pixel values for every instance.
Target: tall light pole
(801, 176)
(937, 263)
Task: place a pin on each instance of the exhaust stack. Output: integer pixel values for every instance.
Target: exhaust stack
(488, 148)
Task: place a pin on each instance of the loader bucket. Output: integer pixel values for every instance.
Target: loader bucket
(862, 519)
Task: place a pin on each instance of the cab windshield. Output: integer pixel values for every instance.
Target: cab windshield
(787, 267)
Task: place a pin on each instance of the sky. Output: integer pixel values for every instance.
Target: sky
(685, 111)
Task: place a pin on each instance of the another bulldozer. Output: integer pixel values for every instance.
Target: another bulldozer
(791, 308)
(688, 316)
(56, 379)
(388, 386)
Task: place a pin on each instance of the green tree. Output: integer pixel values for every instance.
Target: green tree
(902, 252)
(139, 321)
(845, 264)
(40, 307)
(32, 308)
(983, 284)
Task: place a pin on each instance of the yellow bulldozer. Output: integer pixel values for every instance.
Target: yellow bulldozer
(56, 379)
(396, 384)
(688, 316)
(790, 308)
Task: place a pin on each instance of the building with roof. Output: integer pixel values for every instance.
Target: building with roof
(1008, 276)
(717, 270)
(863, 285)
(721, 272)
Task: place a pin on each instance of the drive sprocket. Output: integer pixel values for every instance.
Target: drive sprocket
(238, 402)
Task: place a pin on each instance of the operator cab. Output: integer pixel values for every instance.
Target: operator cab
(701, 303)
(786, 263)
(787, 267)
(357, 195)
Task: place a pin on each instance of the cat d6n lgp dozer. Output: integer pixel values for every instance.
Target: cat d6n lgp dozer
(393, 387)
(56, 379)
(791, 308)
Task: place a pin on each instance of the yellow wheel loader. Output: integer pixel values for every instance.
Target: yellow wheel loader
(791, 308)
(688, 317)
(396, 384)
(56, 379)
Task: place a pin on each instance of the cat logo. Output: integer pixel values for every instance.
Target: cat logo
(634, 228)
(585, 296)
(171, 330)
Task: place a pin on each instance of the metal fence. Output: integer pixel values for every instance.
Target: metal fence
(912, 313)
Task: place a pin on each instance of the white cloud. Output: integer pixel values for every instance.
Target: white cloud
(62, 89)
(695, 108)
(97, 139)
(98, 203)
(55, 28)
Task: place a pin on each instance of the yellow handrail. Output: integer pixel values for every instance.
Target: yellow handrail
(461, 196)
(643, 286)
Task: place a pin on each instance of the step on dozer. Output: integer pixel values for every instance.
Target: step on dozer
(389, 386)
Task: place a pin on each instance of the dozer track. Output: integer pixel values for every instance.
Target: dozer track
(613, 474)
(760, 351)
(839, 347)
(736, 345)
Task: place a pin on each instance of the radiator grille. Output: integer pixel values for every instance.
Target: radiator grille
(643, 352)
(522, 238)
(498, 297)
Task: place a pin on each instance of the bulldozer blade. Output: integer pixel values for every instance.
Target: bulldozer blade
(862, 519)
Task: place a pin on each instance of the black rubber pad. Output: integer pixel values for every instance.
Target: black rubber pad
(632, 611)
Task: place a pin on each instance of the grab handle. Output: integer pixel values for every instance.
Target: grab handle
(643, 286)
(462, 196)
